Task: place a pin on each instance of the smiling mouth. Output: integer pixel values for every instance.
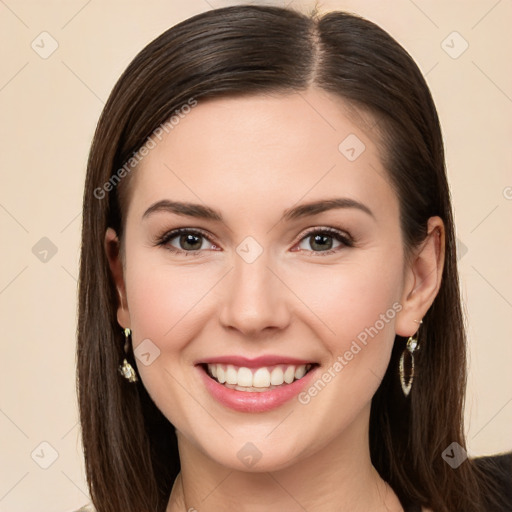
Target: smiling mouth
(260, 379)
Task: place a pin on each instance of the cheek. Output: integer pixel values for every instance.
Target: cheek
(359, 304)
(347, 310)
(351, 298)
(163, 300)
(169, 305)
(341, 302)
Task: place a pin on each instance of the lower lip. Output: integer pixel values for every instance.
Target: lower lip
(254, 401)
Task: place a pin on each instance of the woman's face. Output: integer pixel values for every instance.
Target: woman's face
(262, 276)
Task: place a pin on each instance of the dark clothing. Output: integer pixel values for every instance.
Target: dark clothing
(500, 467)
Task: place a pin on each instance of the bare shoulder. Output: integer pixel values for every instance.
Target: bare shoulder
(86, 508)
(423, 509)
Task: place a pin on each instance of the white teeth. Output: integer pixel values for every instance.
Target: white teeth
(259, 379)
(244, 377)
(277, 376)
(300, 372)
(289, 374)
(231, 375)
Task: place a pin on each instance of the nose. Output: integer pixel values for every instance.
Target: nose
(255, 298)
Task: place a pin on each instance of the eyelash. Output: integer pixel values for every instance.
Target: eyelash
(164, 239)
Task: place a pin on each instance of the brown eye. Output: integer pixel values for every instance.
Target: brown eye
(321, 240)
(184, 240)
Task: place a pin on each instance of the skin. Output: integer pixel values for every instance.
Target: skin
(251, 158)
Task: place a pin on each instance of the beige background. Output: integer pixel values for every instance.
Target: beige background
(50, 107)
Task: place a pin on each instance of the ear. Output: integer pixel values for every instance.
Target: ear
(422, 279)
(112, 249)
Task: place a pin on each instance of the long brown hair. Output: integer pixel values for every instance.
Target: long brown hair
(130, 448)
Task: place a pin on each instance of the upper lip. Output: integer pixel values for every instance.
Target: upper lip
(257, 362)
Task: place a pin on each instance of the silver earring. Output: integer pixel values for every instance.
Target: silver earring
(126, 369)
(410, 348)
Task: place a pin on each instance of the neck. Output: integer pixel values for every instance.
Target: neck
(338, 478)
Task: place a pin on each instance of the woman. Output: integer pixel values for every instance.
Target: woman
(269, 313)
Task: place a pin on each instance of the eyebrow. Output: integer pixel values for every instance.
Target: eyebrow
(200, 211)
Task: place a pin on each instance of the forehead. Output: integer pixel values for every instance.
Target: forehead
(231, 152)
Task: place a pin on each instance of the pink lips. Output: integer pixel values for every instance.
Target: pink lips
(256, 401)
(257, 362)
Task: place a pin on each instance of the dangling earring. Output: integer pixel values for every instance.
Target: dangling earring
(410, 348)
(126, 369)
